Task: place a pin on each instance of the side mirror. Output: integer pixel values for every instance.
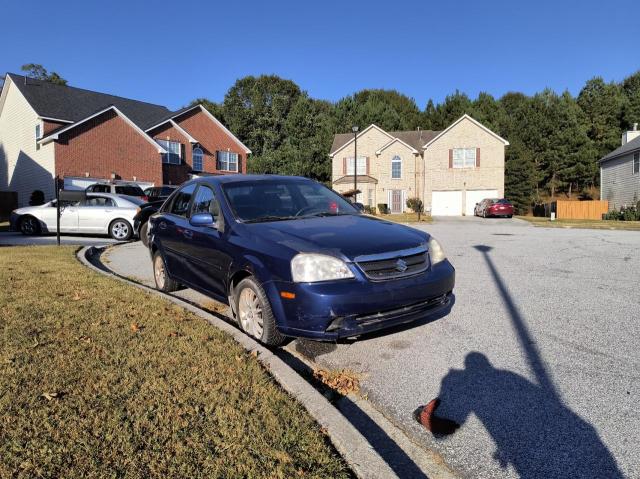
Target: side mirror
(202, 219)
(477, 204)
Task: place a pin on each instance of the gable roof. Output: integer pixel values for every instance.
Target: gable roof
(412, 138)
(71, 104)
(626, 148)
(67, 104)
(56, 133)
(475, 122)
(347, 138)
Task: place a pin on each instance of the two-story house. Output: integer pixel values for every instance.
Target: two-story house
(49, 130)
(450, 170)
(620, 172)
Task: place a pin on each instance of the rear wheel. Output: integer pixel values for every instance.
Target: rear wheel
(29, 226)
(142, 232)
(162, 279)
(254, 313)
(120, 230)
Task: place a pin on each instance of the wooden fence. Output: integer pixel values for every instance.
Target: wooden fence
(581, 210)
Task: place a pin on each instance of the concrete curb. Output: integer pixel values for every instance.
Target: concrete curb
(350, 443)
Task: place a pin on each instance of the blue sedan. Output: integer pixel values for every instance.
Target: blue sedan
(293, 258)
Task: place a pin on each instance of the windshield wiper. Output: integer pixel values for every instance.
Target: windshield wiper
(264, 219)
(325, 213)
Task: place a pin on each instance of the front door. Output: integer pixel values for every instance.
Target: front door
(396, 201)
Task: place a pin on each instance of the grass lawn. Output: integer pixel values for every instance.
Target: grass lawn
(406, 218)
(4, 226)
(100, 379)
(593, 224)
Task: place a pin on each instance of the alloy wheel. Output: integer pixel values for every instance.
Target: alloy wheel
(250, 313)
(159, 272)
(28, 226)
(120, 230)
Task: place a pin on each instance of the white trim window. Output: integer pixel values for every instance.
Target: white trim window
(38, 134)
(173, 148)
(362, 165)
(227, 161)
(197, 156)
(464, 157)
(636, 162)
(396, 168)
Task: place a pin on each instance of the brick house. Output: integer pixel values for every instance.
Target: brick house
(450, 170)
(49, 130)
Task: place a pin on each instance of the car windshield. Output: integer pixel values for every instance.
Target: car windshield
(501, 201)
(275, 200)
(130, 190)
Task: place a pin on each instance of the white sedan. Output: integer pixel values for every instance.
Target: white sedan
(98, 213)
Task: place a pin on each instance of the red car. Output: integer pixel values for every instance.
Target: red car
(494, 207)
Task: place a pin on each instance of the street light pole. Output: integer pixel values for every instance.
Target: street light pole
(355, 163)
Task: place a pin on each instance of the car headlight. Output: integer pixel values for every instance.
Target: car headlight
(436, 251)
(310, 267)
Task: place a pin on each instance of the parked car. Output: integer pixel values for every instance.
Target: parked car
(141, 219)
(494, 207)
(99, 213)
(156, 193)
(118, 188)
(293, 258)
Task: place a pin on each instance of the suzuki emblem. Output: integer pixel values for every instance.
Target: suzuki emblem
(401, 266)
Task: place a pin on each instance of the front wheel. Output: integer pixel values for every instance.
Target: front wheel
(120, 230)
(254, 313)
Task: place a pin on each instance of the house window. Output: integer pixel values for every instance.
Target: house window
(197, 159)
(173, 151)
(362, 165)
(227, 161)
(396, 168)
(38, 135)
(636, 163)
(370, 199)
(464, 157)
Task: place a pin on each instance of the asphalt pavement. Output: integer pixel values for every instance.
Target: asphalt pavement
(538, 359)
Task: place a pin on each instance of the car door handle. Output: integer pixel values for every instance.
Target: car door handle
(188, 234)
(162, 225)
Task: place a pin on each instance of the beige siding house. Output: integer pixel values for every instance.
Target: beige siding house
(24, 165)
(450, 170)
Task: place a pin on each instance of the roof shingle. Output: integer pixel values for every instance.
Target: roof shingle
(626, 148)
(414, 138)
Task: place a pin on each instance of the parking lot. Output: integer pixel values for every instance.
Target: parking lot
(538, 359)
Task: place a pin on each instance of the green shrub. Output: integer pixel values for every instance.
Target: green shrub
(626, 213)
(370, 210)
(416, 205)
(383, 208)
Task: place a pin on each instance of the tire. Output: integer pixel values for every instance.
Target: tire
(484, 214)
(142, 233)
(162, 279)
(120, 230)
(29, 226)
(509, 216)
(253, 313)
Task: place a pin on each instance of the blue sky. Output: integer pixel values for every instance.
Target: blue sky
(172, 52)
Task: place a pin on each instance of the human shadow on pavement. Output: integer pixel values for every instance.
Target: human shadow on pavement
(534, 431)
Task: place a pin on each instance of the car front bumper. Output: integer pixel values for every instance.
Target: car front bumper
(339, 309)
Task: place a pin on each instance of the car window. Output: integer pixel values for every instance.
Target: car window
(149, 191)
(166, 191)
(99, 201)
(205, 202)
(129, 190)
(180, 205)
(100, 188)
(502, 201)
(283, 199)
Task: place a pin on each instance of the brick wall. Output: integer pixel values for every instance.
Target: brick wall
(49, 126)
(104, 145)
(175, 174)
(212, 138)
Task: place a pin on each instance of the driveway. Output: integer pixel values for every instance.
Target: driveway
(538, 360)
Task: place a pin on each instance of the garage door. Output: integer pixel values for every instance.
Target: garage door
(476, 196)
(446, 203)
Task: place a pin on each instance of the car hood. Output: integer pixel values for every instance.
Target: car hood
(348, 236)
(30, 209)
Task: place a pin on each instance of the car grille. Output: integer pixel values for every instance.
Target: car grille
(395, 268)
